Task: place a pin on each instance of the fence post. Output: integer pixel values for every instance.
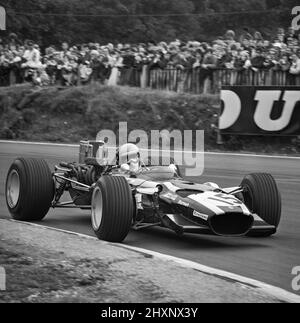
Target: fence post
(2, 279)
(219, 138)
(12, 77)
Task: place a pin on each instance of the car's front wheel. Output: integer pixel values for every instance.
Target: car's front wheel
(262, 197)
(112, 208)
(29, 189)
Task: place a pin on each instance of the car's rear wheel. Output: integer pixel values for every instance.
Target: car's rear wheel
(112, 208)
(29, 189)
(262, 197)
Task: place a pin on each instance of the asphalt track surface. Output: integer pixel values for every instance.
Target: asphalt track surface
(269, 260)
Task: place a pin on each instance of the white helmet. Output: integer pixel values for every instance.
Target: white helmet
(128, 152)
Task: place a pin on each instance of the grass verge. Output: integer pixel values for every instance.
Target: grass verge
(68, 115)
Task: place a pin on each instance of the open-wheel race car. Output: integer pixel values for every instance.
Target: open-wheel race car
(133, 195)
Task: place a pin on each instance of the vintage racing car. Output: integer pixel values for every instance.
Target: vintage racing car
(131, 194)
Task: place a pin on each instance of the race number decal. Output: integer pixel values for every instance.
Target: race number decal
(227, 199)
(296, 20)
(217, 202)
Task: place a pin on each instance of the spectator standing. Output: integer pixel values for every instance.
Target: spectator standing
(291, 34)
(32, 62)
(31, 56)
(258, 39)
(245, 38)
(208, 65)
(230, 37)
(283, 68)
(295, 70)
(116, 65)
(258, 59)
(128, 64)
(284, 63)
(15, 68)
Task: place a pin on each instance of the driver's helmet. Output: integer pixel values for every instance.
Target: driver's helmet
(130, 154)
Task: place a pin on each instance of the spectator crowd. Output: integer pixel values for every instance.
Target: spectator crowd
(131, 64)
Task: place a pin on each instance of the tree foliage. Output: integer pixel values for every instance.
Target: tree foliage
(41, 20)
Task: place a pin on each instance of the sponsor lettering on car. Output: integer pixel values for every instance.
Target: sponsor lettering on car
(200, 215)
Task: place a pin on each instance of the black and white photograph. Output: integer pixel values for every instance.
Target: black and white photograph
(149, 155)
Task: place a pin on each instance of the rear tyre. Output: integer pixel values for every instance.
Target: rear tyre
(112, 208)
(261, 196)
(29, 189)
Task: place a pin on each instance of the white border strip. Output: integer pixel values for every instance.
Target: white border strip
(160, 150)
(273, 291)
(37, 143)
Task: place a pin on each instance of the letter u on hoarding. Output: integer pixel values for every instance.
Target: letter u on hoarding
(266, 99)
(2, 18)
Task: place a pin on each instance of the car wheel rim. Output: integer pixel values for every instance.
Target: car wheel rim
(13, 189)
(97, 208)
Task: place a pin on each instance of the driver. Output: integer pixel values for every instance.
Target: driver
(129, 158)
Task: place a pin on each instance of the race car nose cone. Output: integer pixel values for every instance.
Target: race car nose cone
(231, 224)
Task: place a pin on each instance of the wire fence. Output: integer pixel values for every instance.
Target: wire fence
(199, 81)
(194, 81)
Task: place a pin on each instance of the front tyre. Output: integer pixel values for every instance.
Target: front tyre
(112, 208)
(262, 197)
(29, 189)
